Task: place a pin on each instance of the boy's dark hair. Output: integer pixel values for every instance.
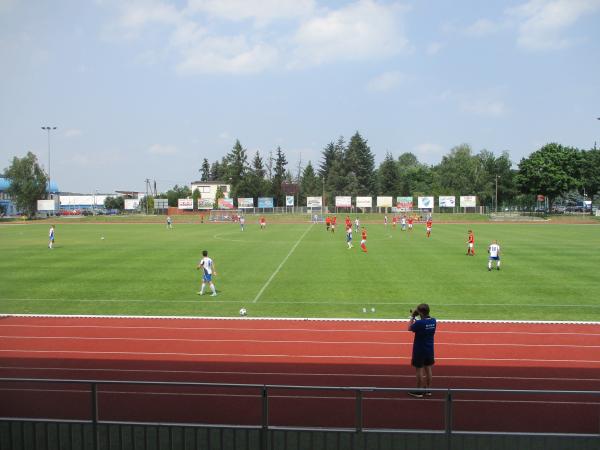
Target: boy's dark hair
(423, 309)
(204, 252)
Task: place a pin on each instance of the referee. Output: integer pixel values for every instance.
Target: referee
(422, 355)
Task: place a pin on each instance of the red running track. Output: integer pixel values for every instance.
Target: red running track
(301, 352)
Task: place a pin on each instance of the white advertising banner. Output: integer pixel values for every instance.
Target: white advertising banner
(289, 200)
(131, 203)
(314, 202)
(425, 202)
(447, 201)
(47, 205)
(364, 202)
(205, 203)
(245, 202)
(184, 203)
(385, 202)
(468, 201)
(343, 201)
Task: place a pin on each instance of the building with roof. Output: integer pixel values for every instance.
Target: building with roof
(7, 201)
(208, 189)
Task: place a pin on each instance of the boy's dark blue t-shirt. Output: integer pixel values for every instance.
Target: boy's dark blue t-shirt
(424, 330)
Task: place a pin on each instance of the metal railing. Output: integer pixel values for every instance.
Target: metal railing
(264, 428)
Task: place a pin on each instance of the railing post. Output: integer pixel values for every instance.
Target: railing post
(95, 430)
(359, 411)
(448, 418)
(264, 431)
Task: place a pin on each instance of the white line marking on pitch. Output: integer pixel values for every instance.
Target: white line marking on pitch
(288, 341)
(280, 265)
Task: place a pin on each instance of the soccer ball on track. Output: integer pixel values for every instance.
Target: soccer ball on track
(243, 312)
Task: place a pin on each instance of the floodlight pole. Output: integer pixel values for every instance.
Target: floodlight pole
(47, 128)
(497, 176)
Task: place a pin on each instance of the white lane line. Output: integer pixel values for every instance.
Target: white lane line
(293, 319)
(279, 330)
(297, 374)
(283, 356)
(280, 265)
(289, 341)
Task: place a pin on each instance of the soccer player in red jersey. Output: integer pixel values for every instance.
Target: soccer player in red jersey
(348, 222)
(471, 244)
(333, 221)
(328, 222)
(263, 223)
(363, 242)
(394, 222)
(410, 223)
(428, 225)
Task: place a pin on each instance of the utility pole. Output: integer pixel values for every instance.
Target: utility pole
(147, 184)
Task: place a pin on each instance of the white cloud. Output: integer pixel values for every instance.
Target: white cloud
(386, 81)
(261, 11)
(229, 54)
(363, 30)
(360, 30)
(73, 132)
(162, 150)
(434, 48)
(482, 27)
(542, 23)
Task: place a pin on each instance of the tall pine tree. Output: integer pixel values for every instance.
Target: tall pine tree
(279, 172)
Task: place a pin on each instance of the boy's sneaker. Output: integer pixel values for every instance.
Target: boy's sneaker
(199, 293)
(416, 394)
(214, 294)
(427, 393)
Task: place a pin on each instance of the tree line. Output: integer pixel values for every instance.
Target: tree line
(348, 168)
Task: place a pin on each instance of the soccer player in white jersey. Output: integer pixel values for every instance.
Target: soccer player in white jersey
(356, 225)
(51, 237)
(208, 268)
(349, 236)
(494, 252)
(242, 222)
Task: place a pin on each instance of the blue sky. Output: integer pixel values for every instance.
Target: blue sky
(147, 89)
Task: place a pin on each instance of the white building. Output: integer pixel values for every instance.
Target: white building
(208, 189)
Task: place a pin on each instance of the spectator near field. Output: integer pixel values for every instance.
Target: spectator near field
(51, 237)
(494, 252)
(263, 222)
(422, 353)
(208, 270)
(471, 244)
(363, 242)
(169, 222)
(428, 226)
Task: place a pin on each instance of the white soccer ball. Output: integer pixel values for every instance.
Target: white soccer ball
(102, 238)
(243, 312)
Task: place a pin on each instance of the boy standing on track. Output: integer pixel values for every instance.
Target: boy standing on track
(51, 237)
(208, 268)
(422, 354)
(494, 251)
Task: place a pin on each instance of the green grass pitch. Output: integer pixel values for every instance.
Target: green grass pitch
(549, 272)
